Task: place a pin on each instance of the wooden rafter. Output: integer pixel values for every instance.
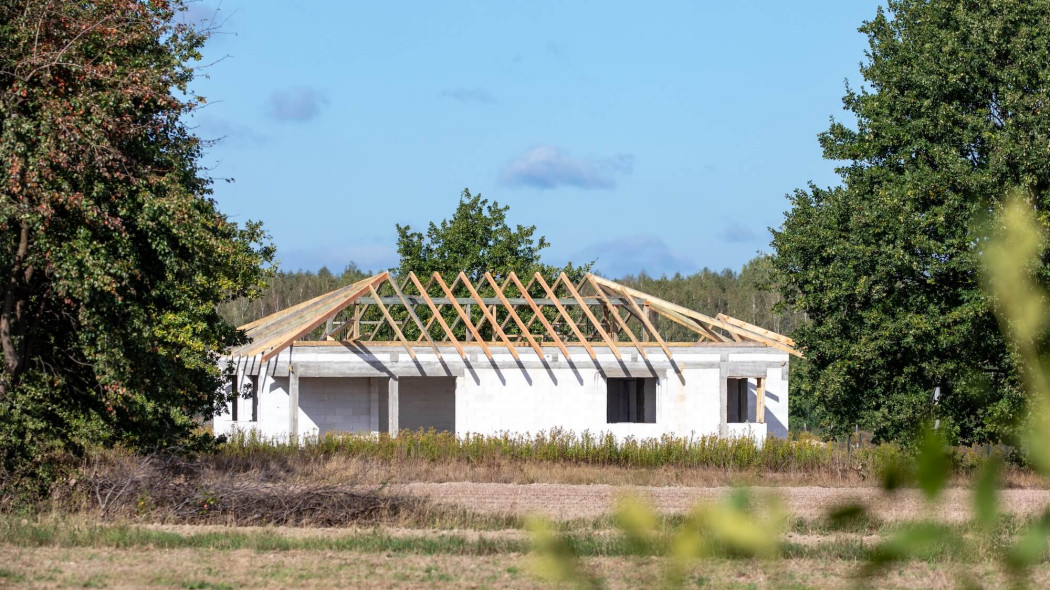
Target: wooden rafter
(565, 315)
(282, 340)
(514, 316)
(412, 314)
(590, 316)
(645, 321)
(710, 321)
(616, 314)
(333, 315)
(537, 312)
(390, 320)
(437, 314)
(462, 314)
(492, 320)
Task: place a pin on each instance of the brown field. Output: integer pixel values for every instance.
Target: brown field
(568, 502)
(181, 568)
(483, 551)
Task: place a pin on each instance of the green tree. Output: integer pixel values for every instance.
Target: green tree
(113, 254)
(475, 240)
(951, 114)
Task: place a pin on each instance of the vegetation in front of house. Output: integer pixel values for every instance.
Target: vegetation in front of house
(796, 454)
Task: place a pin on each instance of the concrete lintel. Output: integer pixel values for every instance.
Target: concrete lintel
(456, 368)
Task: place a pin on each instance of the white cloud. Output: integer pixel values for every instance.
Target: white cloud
(547, 167)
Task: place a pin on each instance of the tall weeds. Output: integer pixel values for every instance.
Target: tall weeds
(796, 454)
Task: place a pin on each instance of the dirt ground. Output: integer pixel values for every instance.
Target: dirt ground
(147, 566)
(187, 568)
(588, 501)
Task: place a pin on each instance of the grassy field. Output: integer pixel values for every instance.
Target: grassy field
(426, 510)
(451, 550)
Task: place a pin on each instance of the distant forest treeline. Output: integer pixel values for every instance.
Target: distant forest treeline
(746, 295)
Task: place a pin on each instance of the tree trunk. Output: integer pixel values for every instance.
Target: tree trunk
(11, 325)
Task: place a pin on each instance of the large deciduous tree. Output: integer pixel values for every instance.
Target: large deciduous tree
(475, 240)
(952, 113)
(113, 255)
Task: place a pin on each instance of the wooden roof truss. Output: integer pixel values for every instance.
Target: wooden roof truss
(494, 314)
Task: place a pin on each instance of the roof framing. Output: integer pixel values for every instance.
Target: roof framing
(492, 313)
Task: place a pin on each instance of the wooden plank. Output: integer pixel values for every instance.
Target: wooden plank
(538, 313)
(756, 329)
(462, 315)
(282, 341)
(760, 400)
(437, 314)
(688, 323)
(393, 324)
(517, 320)
(590, 316)
(565, 314)
(644, 319)
(629, 292)
(412, 314)
(274, 329)
(488, 314)
(616, 314)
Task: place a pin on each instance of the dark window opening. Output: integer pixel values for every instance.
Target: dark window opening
(631, 400)
(736, 400)
(242, 385)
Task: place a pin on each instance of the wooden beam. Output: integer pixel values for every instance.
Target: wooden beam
(437, 314)
(281, 341)
(488, 314)
(629, 292)
(412, 314)
(590, 316)
(517, 320)
(462, 314)
(688, 323)
(644, 319)
(393, 324)
(756, 329)
(538, 313)
(565, 314)
(616, 314)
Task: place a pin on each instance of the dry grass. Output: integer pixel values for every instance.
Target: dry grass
(50, 567)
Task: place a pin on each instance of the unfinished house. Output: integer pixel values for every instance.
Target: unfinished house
(486, 355)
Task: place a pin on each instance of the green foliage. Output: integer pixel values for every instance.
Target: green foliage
(796, 454)
(886, 266)
(113, 256)
(475, 240)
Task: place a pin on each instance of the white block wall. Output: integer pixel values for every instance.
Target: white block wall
(508, 402)
(334, 404)
(491, 397)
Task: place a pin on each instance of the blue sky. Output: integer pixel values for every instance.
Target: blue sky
(656, 136)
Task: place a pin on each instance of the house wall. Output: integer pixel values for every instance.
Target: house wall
(345, 389)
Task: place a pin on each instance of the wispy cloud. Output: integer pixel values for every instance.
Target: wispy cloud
(296, 104)
(630, 255)
(737, 233)
(470, 95)
(225, 132)
(547, 167)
